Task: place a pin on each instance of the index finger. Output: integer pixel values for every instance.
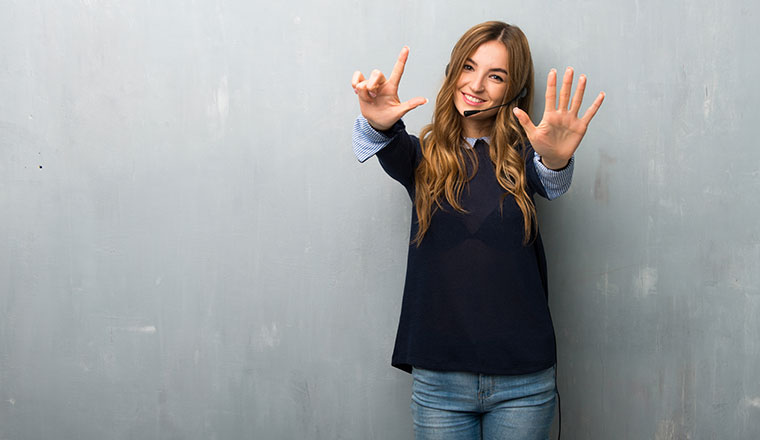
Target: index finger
(398, 68)
(551, 91)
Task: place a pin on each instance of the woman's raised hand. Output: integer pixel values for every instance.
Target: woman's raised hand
(378, 97)
(560, 131)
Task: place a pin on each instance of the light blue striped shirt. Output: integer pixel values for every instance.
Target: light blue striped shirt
(368, 141)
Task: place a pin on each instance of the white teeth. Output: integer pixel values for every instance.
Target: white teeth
(473, 99)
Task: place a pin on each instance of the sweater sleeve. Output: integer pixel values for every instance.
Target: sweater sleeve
(397, 151)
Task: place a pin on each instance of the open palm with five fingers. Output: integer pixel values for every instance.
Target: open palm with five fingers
(560, 131)
(378, 96)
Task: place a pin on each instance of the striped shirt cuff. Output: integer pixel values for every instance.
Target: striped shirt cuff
(556, 183)
(367, 141)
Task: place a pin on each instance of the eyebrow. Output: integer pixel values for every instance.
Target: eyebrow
(492, 70)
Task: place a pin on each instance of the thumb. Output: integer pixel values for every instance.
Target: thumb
(413, 104)
(525, 121)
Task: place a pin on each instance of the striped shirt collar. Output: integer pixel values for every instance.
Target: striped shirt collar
(471, 141)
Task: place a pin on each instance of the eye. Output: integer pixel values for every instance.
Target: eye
(467, 67)
(497, 78)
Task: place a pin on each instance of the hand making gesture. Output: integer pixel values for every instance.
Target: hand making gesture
(378, 97)
(560, 131)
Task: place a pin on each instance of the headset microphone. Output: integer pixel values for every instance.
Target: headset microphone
(522, 94)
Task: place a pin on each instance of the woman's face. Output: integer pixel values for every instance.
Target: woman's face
(482, 82)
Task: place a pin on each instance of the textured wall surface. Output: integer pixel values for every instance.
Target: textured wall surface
(189, 250)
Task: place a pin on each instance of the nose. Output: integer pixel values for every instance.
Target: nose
(477, 83)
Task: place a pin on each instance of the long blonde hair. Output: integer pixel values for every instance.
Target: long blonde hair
(442, 170)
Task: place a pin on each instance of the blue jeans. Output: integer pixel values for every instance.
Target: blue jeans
(459, 406)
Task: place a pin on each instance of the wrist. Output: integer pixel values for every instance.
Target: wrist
(388, 131)
(378, 127)
(554, 164)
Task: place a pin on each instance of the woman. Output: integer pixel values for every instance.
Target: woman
(475, 329)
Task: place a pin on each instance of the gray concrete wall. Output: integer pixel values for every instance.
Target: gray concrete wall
(189, 250)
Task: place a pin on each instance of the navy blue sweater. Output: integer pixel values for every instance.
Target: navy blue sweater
(475, 297)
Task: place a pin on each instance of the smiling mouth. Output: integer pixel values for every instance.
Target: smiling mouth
(472, 100)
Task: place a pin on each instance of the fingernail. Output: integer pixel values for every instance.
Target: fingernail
(373, 94)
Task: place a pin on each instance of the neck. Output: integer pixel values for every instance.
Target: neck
(477, 128)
